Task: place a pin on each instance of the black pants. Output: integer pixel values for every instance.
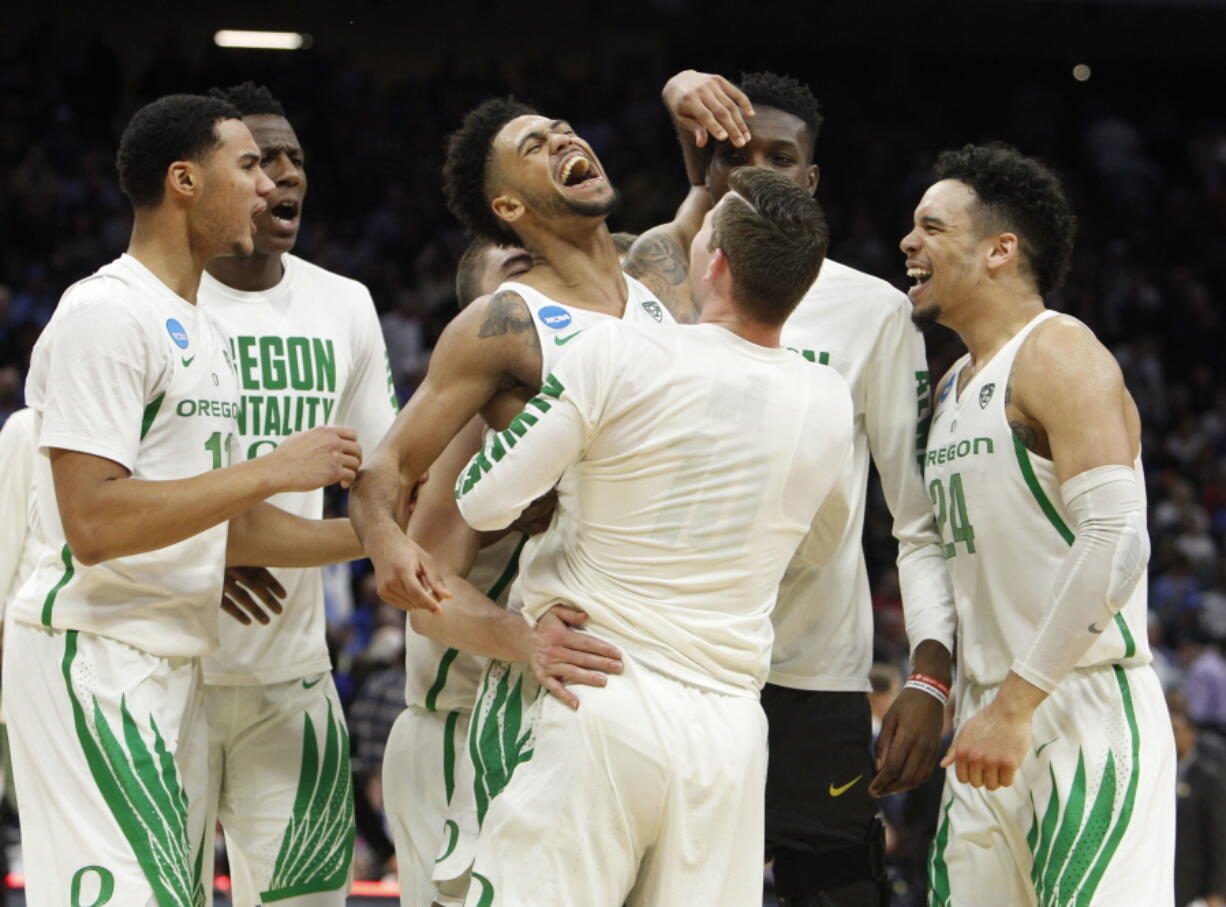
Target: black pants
(822, 827)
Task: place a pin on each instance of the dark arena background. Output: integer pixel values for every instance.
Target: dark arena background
(1124, 99)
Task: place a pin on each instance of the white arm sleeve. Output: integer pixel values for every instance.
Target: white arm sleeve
(516, 466)
(1097, 577)
(897, 413)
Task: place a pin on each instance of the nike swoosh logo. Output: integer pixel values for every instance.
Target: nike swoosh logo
(1043, 747)
(839, 791)
(307, 686)
(569, 337)
(186, 362)
(1095, 629)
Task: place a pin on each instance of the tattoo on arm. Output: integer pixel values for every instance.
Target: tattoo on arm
(506, 313)
(661, 263)
(1026, 435)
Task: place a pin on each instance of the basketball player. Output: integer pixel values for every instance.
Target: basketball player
(136, 402)
(512, 177)
(309, 351)
(1064, 783)
(821, 815)
(427, 772)
(690, 462)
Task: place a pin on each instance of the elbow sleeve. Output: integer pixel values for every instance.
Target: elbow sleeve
(1098, 576)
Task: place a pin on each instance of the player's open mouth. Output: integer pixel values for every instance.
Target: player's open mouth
(285, 214)
(576, 170)
(921, 276)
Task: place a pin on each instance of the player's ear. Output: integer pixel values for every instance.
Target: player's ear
(717, 268)
(508, 208)
(812, 178)
(1004, 249)
(183, 180)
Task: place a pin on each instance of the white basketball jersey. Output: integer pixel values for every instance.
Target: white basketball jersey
(128, 371)
(445, 679)
(1004, 527)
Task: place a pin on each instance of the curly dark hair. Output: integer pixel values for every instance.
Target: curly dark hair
(177, 127)
(250, 99)
(1018, 194)
(769, 89)
(466, 168)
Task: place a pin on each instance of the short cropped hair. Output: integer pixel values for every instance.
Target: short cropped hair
(250, 99)
(466, 168)
(774, 237)
(769, 89)
(467, 272)
(177, 127)
(1017, 194)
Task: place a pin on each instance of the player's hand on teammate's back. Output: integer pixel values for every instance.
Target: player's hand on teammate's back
(990, 747)
(240, 584)
(407, 577)
(559, 653)
(708, 105)
(908, 746)
(318, 457)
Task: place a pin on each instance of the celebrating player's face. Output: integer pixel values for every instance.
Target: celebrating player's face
(940, 249)
(550, 170)
(779, 141)
(233, 192)
(283, 162)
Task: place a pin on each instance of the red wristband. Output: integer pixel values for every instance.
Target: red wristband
(931, 681)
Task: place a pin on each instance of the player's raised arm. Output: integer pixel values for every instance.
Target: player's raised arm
(482, 351)
(1093, 438)
(700, 105)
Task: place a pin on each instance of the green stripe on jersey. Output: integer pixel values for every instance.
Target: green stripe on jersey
(444, 664)
(49, 601)
(1045, 504)
(938, 871)
(449, 755)
(151, 412)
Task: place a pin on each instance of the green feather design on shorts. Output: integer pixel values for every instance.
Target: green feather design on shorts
(498, 741)
(142, 790)
(1072, 847)
(318, 844)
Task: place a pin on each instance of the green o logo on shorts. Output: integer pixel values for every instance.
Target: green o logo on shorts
(106, 886)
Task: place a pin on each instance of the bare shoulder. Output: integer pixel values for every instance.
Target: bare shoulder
(498, 314)
(1062, 353)
(493, 336)
(659, 261)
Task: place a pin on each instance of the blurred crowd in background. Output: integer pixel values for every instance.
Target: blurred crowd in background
(1148, 179)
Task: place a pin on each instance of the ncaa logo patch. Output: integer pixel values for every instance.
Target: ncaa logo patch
(985, 394)
(949, 385)
(554, 316)
(653, 309)
(176, 332)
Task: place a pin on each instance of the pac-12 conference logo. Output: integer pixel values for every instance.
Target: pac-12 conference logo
(554, 316)
(653, 309)
(176, 332)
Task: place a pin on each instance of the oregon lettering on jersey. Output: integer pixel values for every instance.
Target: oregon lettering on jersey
(293, 366)
(227, 409)
(964, 448)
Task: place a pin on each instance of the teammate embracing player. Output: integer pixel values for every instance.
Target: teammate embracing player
(308, 351)
(515, 177)
(1064, 785)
